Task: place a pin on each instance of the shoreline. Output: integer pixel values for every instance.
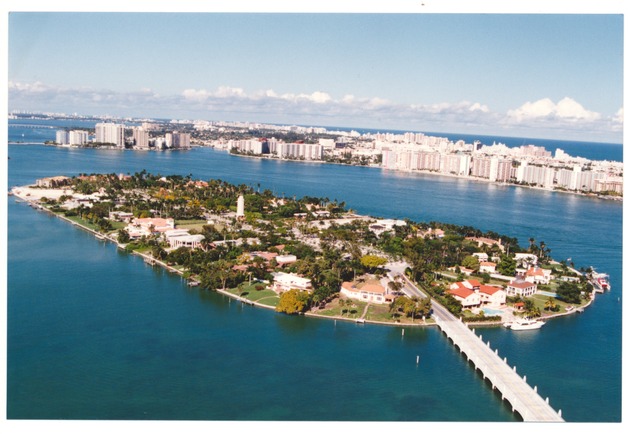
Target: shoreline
(33, 202)
(403, 171)
(427, 172)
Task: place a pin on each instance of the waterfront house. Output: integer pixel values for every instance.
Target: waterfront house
(52, 182)
(286, 281)
(485, 294)
(492, 295)
(121, 216)
(466, 296)
(483, 241)
(182, 238)
(370, 291)
(189, 241)
(521, 288)
(149, 226)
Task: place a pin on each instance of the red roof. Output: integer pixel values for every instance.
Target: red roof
(521, 284)
(462, 292)
(474, 283)
(489, 289)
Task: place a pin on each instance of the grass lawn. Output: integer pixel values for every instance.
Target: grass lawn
(333, 309)
(82, 222)
(266, 296)
(191, 224)
(117, 225)
(540, 300)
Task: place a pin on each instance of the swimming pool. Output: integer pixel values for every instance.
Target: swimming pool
(549, 294)
(491, 312)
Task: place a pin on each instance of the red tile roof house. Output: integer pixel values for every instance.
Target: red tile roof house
(521, 288)
(465, 294)
(538, 275)
(492, 295)
(368, 292)
(485, 294)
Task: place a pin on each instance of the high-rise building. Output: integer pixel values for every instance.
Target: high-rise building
(140, 138)
(62, 137)
(240, 207)
(110, 133)
(78, 137)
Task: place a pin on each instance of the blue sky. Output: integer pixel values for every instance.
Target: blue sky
(544, 75)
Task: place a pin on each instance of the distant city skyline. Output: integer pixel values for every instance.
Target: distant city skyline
(539, 76)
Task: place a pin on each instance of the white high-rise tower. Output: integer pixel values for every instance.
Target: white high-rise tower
(240, 207)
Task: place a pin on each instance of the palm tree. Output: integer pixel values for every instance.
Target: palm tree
(342, 304)
(550, 304)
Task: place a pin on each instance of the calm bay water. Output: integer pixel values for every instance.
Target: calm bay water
(94, 333)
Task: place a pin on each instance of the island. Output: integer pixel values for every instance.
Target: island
(316, 257)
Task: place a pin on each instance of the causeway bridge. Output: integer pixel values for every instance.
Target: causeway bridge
(524, 399)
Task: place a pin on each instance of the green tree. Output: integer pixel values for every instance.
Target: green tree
(372, 261)
(550, 304)
(123, 236)
(569, 292)
(471, 262)
(507, 265)
(293, 301)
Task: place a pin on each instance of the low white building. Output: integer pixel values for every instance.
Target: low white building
(285, 259)
(525, 259)
(189, 241)
(487, 267)
(286, 281)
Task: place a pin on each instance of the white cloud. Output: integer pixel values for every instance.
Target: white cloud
(563, 119)
(566, 110)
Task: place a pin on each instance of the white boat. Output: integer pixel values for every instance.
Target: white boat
(524, 324)
(600, 281)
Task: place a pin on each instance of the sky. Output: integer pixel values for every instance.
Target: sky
(539, 75)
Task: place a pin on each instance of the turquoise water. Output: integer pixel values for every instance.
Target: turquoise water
(93, 333)
(489, 311)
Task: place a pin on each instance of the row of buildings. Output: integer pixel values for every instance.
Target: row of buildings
(277, 148)
(529, 171)
(116, 134)
(526, 165)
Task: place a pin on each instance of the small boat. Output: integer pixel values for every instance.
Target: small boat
(524, 324)
(359, 320)
(600, 281)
